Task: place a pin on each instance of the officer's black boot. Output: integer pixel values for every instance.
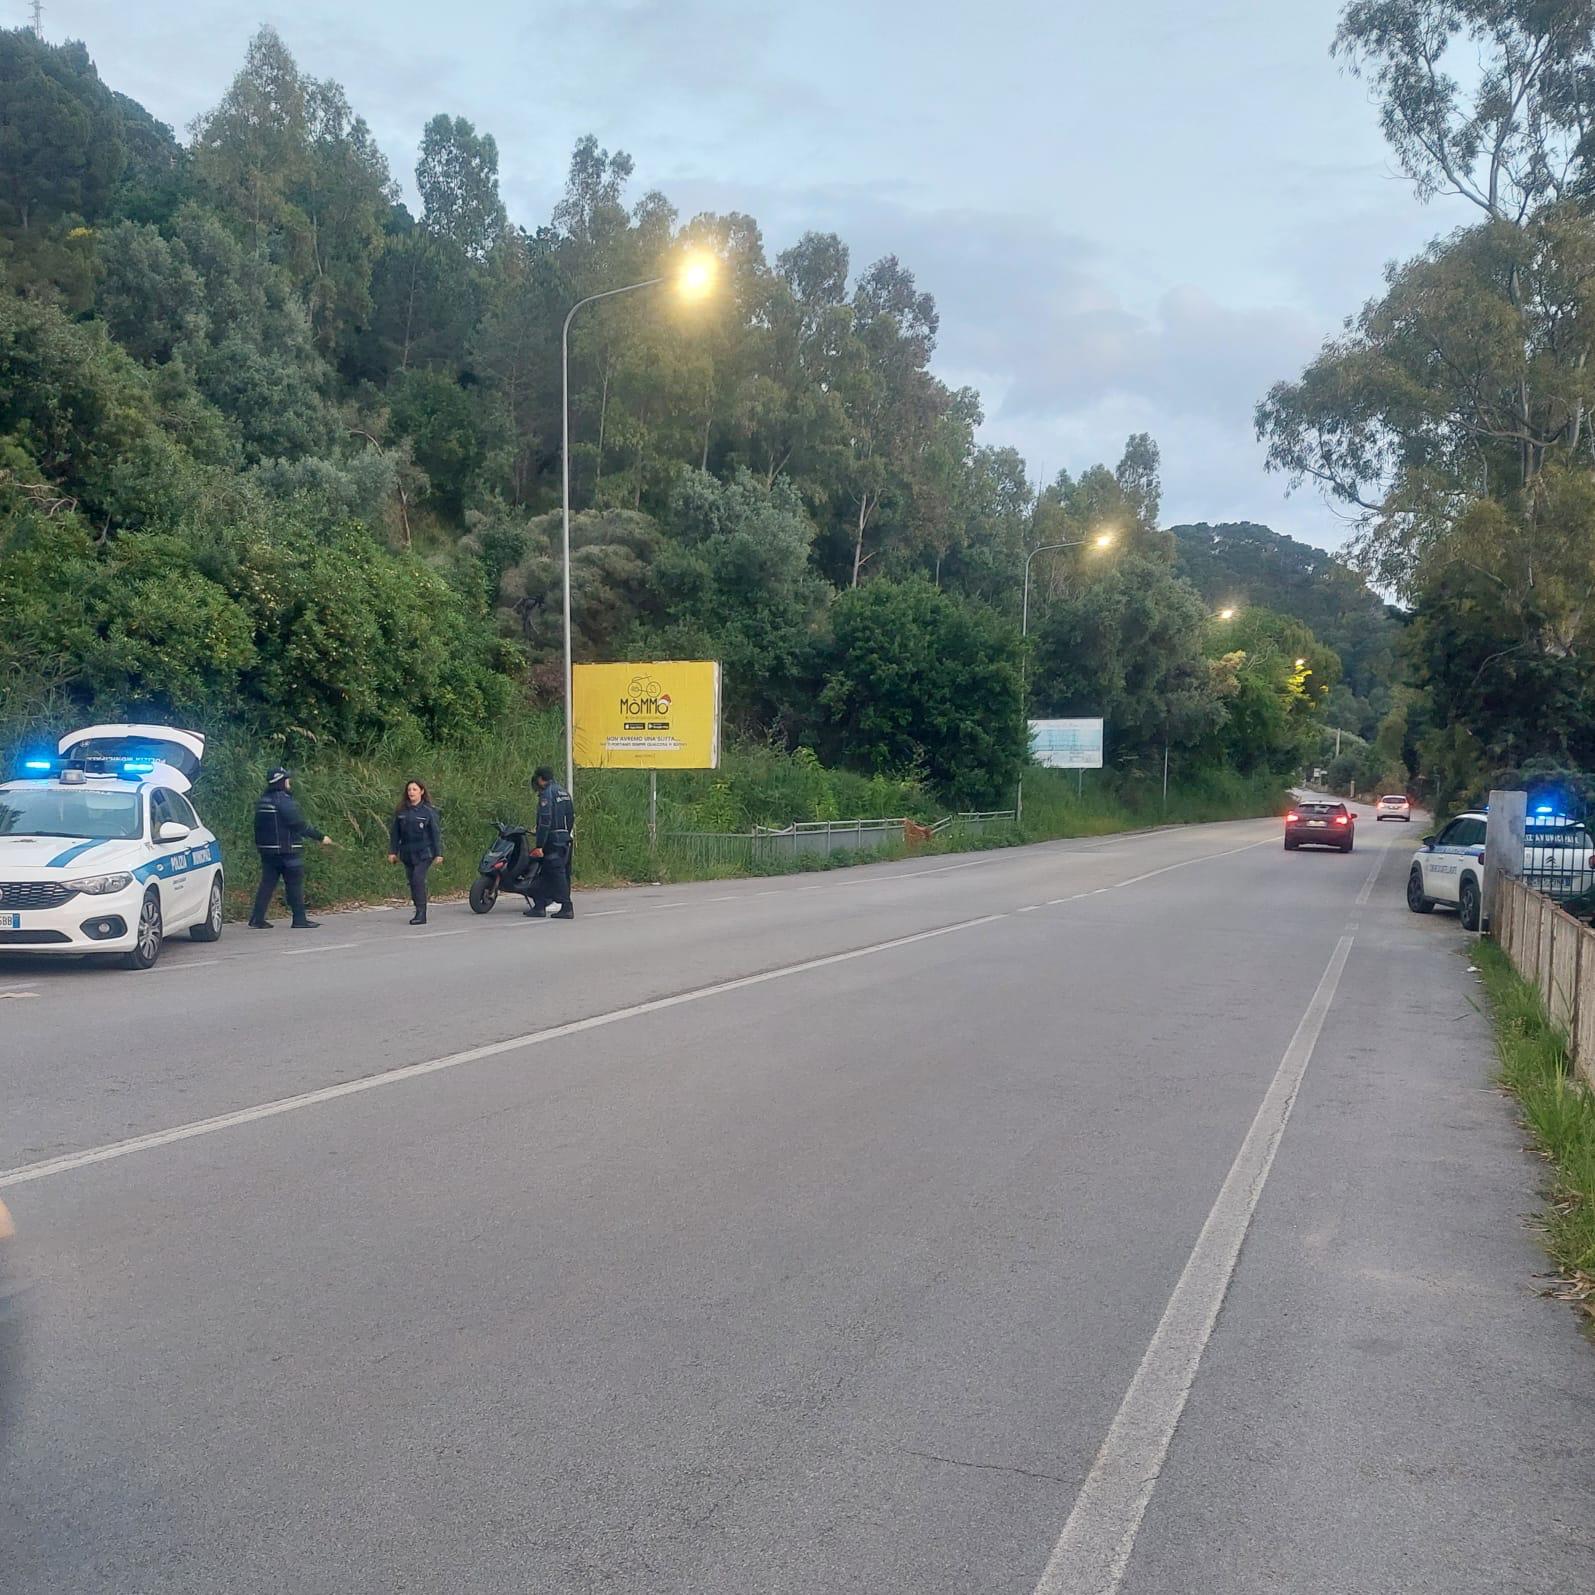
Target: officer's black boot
(536, 913)
(567, 912)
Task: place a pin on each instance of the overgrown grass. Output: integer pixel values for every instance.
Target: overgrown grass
(1058, 803)
(1557, 1108)
(351, 796)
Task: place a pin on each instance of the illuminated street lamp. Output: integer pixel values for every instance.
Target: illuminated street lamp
(1226, 614)
(1101, 540)
(694, 279)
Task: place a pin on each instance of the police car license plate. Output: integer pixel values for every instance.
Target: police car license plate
(10, 922)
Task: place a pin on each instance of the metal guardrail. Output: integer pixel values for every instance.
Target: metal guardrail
(766, 845)
(823, 838)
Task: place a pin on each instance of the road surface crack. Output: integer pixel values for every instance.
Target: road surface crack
(988, 1467)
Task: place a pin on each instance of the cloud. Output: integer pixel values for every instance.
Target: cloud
(1069, 351)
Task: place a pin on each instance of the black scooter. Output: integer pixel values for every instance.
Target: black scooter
(507, 866)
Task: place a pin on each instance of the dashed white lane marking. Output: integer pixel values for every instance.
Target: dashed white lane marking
(226, 1121)
(427, 935)
(1373, 875)
(607, 913)
(16, 995)
(1094, 1550)
(1030, 910)
(1152, 874)
(454, 1060)
(187, 963)
(320, 947)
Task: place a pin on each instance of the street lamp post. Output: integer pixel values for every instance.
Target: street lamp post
(1101, 540)
(696, 278)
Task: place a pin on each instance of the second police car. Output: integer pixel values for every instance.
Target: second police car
(101, 850)
(1558, 859)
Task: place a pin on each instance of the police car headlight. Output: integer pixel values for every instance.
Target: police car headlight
(99, 885)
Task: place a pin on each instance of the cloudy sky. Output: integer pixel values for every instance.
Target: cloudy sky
(1133, 216)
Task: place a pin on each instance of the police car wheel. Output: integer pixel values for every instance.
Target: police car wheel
(1469, 908)
(210, 928)
(147, 949)
(1416, 901)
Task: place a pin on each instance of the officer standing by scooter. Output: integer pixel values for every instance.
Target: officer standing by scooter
(280, 832)
(551, 845)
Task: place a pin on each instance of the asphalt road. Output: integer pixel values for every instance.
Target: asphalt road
(1129, 1214)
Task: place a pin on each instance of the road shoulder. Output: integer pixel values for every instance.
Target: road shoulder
(1387, 1403)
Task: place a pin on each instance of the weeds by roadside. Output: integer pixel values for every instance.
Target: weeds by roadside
(1558, 1109)
(351, 796)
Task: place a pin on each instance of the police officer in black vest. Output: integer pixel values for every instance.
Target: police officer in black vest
(280, 832)
(551, 845)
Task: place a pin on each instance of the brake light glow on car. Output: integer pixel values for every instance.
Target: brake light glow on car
(1290, 819)
(1340, 819)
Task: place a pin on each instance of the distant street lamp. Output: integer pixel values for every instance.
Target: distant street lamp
(1100, 540)
(694, 279)
(1226, 614)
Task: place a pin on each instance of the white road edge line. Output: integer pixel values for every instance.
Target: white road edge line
(268, 1110)
(320, 947)
(1093, 1551)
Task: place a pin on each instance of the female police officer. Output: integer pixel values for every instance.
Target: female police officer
(415, 838)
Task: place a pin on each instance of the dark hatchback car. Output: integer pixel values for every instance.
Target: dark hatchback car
(1320, 825)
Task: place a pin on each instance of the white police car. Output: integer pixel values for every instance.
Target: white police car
(101, 850)
(1558, 859)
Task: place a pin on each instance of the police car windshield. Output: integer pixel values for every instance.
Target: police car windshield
(83, 812)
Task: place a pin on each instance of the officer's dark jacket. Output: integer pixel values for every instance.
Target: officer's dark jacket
(416, 833)
(556, 818)
(280, 824)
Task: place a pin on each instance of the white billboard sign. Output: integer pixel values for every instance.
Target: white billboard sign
(1066, 744)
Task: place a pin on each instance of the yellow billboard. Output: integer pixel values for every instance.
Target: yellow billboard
(664, 715)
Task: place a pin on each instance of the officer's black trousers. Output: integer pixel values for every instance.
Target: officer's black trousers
(416, 869)
(290, 870)
(553, 881)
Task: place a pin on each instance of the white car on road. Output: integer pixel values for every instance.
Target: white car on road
(1558, 859)
(101, 850)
